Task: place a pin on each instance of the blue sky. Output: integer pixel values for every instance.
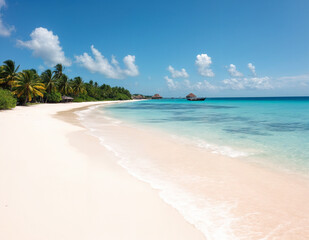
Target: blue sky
(207, 44)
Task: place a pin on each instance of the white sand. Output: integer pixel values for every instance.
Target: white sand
(226, 198)
(56, 182)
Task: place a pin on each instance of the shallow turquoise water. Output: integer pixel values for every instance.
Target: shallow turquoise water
(273, 129)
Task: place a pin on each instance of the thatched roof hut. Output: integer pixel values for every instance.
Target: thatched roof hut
(191, 95)
(156, 96)
(67, 99)
(138, 96)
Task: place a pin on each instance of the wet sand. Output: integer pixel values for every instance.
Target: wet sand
(58, 182)
(225, 198)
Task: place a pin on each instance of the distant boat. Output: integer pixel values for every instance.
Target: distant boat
(192, 97)
(196, 99)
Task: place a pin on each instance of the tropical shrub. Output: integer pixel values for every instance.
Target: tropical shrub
(84, 98)
(54, 97)
(78, 99)
(121, 96)
(7, 101)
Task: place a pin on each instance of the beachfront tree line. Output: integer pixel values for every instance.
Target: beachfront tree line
(27, 86)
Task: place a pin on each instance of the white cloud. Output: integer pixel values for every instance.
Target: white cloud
(237, 82)
(260, 82)
(252, 68)
(233, 71)
(293, 81)
(187, 84)
(248, 83)
(171, 84)
(5, 30)
(2, 3)
(178, 74)
(234, 83)
(208, 85)
(46, 45)
(304, 77)
(101, 65)
(203, 62)
(132, 69)
(200, 85)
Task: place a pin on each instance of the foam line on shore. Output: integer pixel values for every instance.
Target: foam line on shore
(218, 219)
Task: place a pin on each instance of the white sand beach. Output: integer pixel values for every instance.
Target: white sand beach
(59, 182)
(154, 120)
(225, 198)
(56, 182)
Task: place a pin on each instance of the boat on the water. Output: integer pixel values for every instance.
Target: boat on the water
(196, 99)
(192, 97)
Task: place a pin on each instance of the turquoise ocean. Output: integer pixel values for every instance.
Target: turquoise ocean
(271, 130)
(272, 133)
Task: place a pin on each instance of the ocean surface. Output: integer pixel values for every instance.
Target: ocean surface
(272, 130)
(258, 186)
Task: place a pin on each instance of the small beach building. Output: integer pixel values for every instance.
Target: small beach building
(191, 95)
(67, 99)
(138, 96)
(156, 96)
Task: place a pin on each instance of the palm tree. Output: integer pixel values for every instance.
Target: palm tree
(49, 80)
(28, 85)
(64, 85)
(8, 74)
(34, 70)
(78, 86)
(58, 71)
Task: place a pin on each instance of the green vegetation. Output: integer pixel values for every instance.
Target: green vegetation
(141, 95)
(53, 97)
(28, 86)
(49, 80)
(7, 100)
(8, 75)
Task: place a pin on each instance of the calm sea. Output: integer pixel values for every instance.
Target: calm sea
(272, 130)
(224, 198)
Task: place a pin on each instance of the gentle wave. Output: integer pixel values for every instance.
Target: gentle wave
(222, 150)
(216, 219)
(273, 129)
(82, 113)
(213, 219)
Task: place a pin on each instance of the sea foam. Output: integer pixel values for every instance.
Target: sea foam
(213, 219)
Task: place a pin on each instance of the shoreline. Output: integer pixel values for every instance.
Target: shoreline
(242, 196)
(76, 184)
(57, 182)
